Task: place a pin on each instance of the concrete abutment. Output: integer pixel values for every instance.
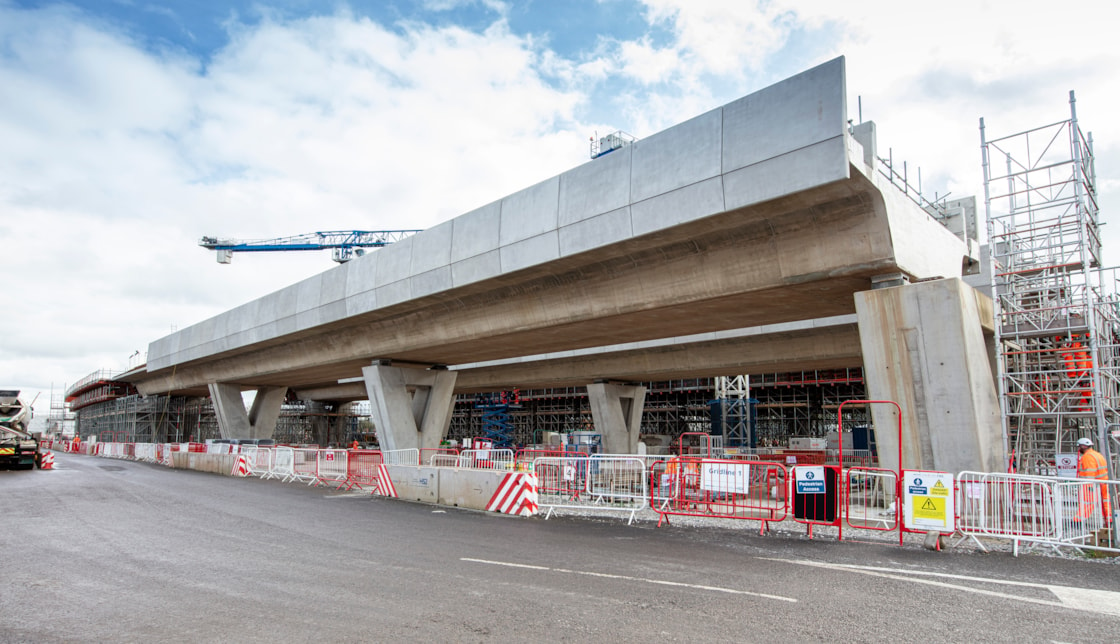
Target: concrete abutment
(924, 347)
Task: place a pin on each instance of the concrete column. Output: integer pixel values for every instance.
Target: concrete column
(411, 407)
(235, 422)
(617, 412)
(924, 347)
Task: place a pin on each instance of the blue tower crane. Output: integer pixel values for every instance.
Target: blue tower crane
(344, 244)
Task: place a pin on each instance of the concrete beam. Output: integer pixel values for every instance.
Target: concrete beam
(924, 347)
(617, 413)
(411, 407)
(235, 422)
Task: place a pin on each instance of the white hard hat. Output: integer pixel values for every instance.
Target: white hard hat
(1085, 441)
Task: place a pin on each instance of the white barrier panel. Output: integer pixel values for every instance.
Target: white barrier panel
(260, 460)
(486, 459)
(1035, 509)
(283, 464)
(444, 460)
(612, 483)
(305, 463)
(401, 457)
(332, 465)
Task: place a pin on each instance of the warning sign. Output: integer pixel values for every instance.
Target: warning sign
(1066, 465)
(929, 508)
(927, 501)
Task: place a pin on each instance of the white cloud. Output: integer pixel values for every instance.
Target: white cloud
(117, 159)
(123, 158)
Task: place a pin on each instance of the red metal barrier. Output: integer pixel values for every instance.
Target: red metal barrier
(561, 474)
(871, 499)
(817, 509)
(362, 468)
(796, 457)
(728, 489)
(840, 432)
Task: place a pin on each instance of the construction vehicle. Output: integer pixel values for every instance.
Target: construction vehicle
(18, 448)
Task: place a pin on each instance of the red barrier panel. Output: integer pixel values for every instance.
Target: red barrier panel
(728, 489)
(871, 499)
(362, 468)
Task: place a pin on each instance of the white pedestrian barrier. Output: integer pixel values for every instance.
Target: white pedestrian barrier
(1038, 510)
(283, 465)
(331, 465)
(401, 457)
(613, 483)
(260, 460)
(305, 465)
(486, 459)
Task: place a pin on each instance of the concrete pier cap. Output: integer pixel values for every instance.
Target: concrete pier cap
(764, 212)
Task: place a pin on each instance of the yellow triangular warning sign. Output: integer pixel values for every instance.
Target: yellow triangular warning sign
(938, 484)
(929, 504)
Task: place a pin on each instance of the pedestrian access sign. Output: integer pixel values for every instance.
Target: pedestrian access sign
(928, 502)
(809, 479)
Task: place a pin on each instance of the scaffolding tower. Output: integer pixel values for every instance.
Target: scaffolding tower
(732, 412)
(1055, 305)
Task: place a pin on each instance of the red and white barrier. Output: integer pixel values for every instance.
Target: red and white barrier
(241, 467)
(516, 495)
(385, 485)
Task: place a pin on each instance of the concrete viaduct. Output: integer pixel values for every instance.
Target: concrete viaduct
(755, 237)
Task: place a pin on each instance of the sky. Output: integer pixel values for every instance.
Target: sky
(129, 129)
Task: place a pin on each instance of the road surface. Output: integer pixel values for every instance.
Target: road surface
(105, 550)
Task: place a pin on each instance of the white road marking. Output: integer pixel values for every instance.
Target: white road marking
(1105, 602)
(660, 582)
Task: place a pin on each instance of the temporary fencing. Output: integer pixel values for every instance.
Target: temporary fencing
(331, 466)
(721, 488)
(401, 456)
(871, 498)
(260, 459)
(524, 459)
(1036, 510)
(486, 459)
(305, 465)
(1049, 511)
(592, 483)
(366, 470)
(283, 465)
(439, 456)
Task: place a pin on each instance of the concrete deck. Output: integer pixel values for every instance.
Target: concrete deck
(760, 212)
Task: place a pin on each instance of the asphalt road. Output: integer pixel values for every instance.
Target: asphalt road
(114, 551)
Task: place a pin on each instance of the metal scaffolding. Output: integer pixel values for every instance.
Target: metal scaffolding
(1056, 307)
(803, 403)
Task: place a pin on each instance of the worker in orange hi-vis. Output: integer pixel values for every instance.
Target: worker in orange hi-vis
(1091, 465)
(354, 445)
